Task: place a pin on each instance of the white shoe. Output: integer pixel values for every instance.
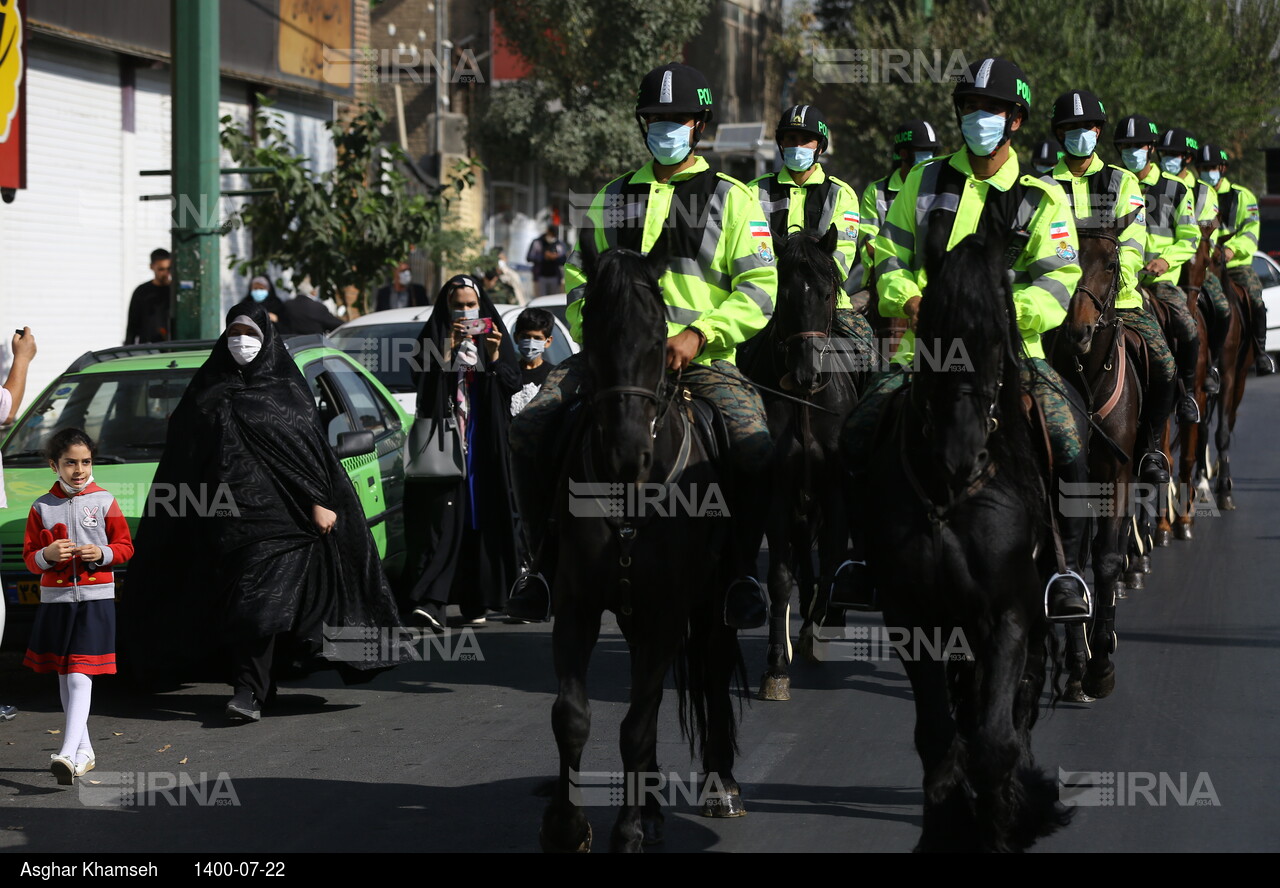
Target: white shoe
(85, 767)
(63, 768)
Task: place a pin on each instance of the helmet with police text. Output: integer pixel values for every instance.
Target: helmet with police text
(918, 135)
(1076, 109)
(804, 119)
(996, 78)
(1136, 129)
(1178, 141)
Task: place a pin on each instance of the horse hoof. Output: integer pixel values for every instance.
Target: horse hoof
(653, 831)
(1100, 683)
(776, 688)
(549, 847)
(1182, 531)
(1228, 503)
(1162, 537)
(1135, 579)
(1075, 693)
(1144, 564)
(723, 804)
(1122, 591)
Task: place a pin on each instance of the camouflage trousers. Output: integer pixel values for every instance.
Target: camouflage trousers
(1163, 367)
(750, 444)
(1064, 418)
(852, 327)
(1212, 288)
(1246, 277)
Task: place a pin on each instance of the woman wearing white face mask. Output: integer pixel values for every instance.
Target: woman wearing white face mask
(252, 538)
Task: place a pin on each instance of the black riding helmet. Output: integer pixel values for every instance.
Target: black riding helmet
(1136, 129)
(918, 135)
(1047, 153)
(1211, 156)
(674, 88)
(1178, 141)
(998, 79)
(1077, 108)
(803, 119)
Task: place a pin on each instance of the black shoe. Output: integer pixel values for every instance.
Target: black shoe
(1264, 365)
(530, 599)
(1067, 600)
(1188, 409)
(1212, 381)
(1153, 470)
(244, 706)
(852, 587)
(429, 615)
(746, 604)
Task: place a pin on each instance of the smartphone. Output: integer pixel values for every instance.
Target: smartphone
(477, 326)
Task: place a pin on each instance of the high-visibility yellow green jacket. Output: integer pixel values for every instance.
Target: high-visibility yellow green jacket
(1204, 199)
(876, 200)
(1241, 222)
(1172, 233)
(822, 201)
(1045, 274)
(723, 286)
(1108, 196)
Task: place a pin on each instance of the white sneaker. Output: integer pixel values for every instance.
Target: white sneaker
(63, 768)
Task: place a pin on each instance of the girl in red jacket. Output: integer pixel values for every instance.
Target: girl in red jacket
(75, 535)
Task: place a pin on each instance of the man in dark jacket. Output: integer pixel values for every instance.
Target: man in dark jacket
(149, 307)
(547, 255)
(402, 292)
(305, 314)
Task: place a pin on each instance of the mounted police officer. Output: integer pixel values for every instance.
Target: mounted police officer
(804, 195)
(1045, 156)
(716, 298)
(1107, 196)
(914, 141)
(1240, 224)
(960, 190)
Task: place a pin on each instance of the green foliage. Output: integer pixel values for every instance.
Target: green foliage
(349, 225)
(1205, 65)
(575, 114)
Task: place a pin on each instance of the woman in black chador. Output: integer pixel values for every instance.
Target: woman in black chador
(253, 537)
(466, 529)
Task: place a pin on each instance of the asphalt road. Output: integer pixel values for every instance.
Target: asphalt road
(458, 755)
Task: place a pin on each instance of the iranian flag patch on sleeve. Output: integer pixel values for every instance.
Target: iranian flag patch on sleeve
(759, 229)
(1058, 230)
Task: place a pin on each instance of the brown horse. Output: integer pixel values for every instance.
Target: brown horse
(1237, 357)
(1089, 351)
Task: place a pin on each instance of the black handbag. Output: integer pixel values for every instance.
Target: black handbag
(434, 450)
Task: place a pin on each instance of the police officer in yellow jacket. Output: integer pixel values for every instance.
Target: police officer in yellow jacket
(954, 190)
(1238, 235)
(914, 141)
(719, 289)
(1208, 174)
(1106, 196)
(804, 195)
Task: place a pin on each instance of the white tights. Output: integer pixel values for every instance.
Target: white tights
(76, 688)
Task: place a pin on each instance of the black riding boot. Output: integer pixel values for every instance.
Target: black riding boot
(1187, 358)
(1153, 467)
(852, 587)
(530, 597)
(1262, 364)
(1067, 592)
(1217, 336)
(746, 603)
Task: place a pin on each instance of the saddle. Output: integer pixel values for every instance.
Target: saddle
(711, 428)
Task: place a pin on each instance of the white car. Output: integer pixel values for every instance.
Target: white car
(386, 342)
(1269, 273)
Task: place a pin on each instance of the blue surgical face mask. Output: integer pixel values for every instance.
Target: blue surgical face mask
(983, 131)
(922, 156)
(1171, 165)
(531, 348)
(466, 314)
(669, 142)
(1213, 177)
(798, 159)
(258, 295)
(1135, 159)
(1081, 142)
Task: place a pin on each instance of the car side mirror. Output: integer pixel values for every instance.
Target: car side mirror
(353, 444)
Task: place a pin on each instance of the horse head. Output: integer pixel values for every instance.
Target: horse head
(624, 328)
(808, 283)
(1094, 302)
(967, 342)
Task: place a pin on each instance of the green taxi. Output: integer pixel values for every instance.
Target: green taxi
(123, 397)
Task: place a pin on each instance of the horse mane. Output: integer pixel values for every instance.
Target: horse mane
(610, 311)
(970, 298)
(807, 249)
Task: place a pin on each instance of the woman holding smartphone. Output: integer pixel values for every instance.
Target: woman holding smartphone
(462, 533)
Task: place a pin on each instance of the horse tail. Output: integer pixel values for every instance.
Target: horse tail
(709, 658)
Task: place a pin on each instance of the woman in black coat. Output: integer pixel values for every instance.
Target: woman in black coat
(465, 531)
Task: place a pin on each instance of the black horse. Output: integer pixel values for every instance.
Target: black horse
(804, 500)
(954, 509)
(655, 567)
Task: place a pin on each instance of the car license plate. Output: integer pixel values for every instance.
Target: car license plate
(28, 591)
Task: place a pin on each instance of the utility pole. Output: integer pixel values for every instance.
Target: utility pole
(194, 47)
